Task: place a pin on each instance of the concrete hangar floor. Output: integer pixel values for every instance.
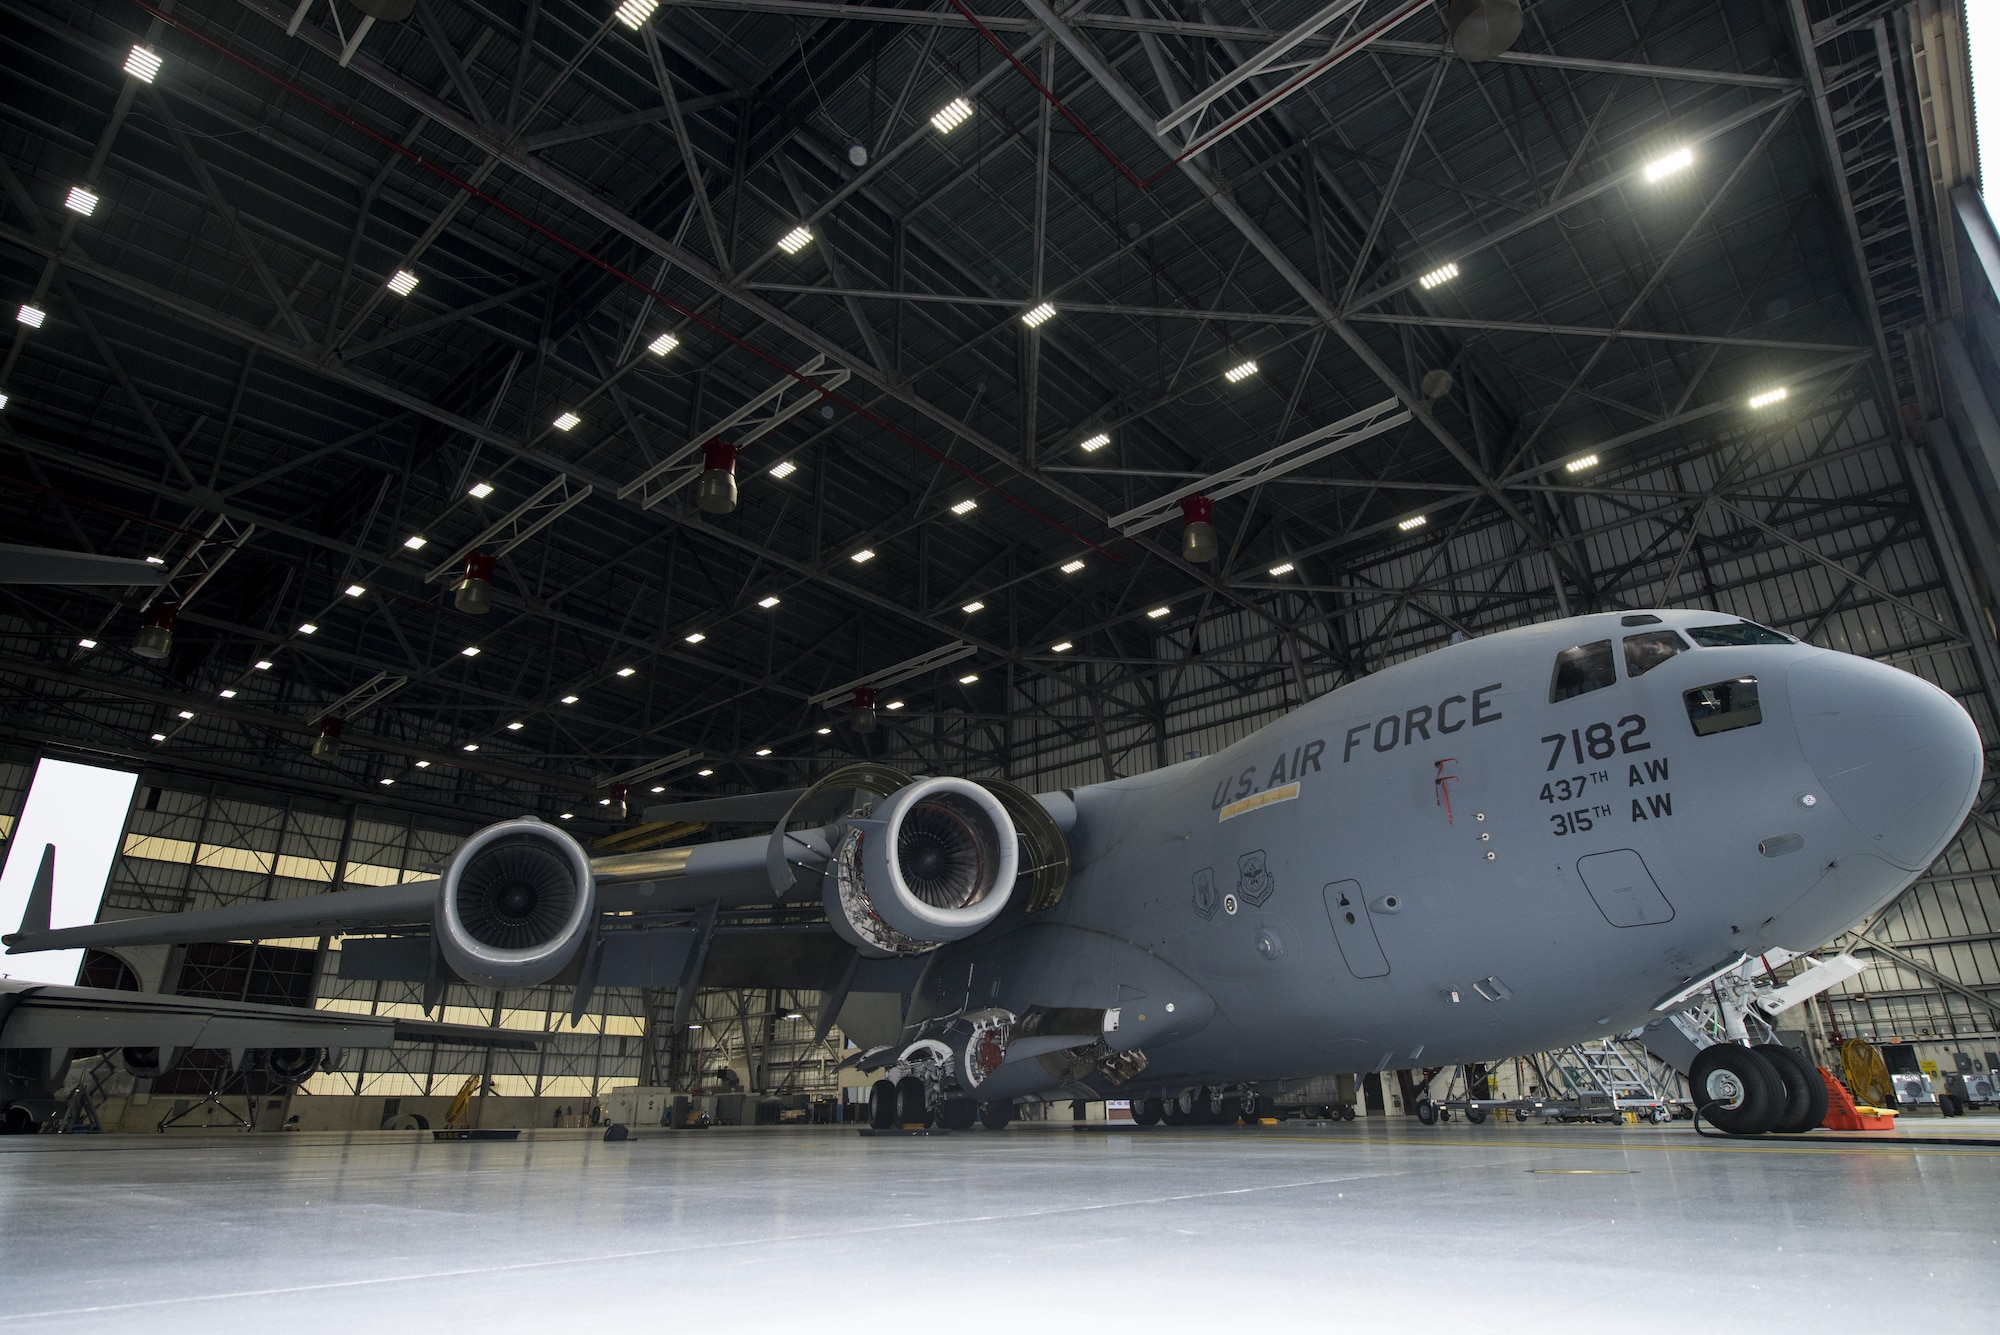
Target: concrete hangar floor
(1494, 1228)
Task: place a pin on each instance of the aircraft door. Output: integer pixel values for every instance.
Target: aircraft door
(1354, 931)
(1624, 890)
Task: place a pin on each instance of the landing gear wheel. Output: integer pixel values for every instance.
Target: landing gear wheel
(958, 1114)
(882, 1105)
(1736, 1089)
(1797, 1115)
(1250, 1107)
(1193, 1104)
(1476, 1116)
(1427, 1112)
(911, 1106)
(995, 1116)
(1148, 1112)
(1346, 1111)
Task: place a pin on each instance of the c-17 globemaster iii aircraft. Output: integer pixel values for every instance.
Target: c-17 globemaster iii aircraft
(1518, 841)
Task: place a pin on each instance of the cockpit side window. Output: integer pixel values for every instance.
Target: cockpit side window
(1735, 633)
(1645, 652)
(1723, 706)
(1583, 669)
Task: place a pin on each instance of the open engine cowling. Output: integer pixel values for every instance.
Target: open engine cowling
(936, 863)
(515, 904)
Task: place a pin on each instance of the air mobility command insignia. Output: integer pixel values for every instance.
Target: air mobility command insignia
(1254, 882)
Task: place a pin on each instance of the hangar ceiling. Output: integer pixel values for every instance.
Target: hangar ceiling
(228, 377)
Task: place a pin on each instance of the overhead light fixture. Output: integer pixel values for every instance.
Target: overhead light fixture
(415, 542)
(1444, 273)
(1071, 567)
(143, 63)
(423, 764)
(703, 773)
(663, 345)
(354, 590)
(1580, 465)
(567, 815)
(965, 507)
(1768, 397)
(1156, 613)
(968, 679)
(763, 750)
(893, 704)
(1414, 521)
(86, 644)
(31, 316)
(479, 491)
(1240, 372)
(770, 602)
(783, 469)
(634, 13)
(3, 399)
(470, 651)
(694, 637)
(1096, 442)
(516, 726)
(1061, 647)
(566, 421)
(155, 561)
(80, 201)
(1040, 315)
(1678, 160)
(659, 788)
(862, 557)
(627, 671)
(1283, 568)
(796, 240)
(308, 628)
(472, 746)
(402, 282)
(951, 115)
(385, 782)
(974, 606)
(262, 665)
(824, 732)
(227, 693)
(159, 736)
(186, 714)
(569, 699)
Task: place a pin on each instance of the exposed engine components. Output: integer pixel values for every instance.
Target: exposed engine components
(1198, 534)
(1482, 29)
(717, 492)
(936, 863)
(515, 904)
(1044, 852)
(473, 594)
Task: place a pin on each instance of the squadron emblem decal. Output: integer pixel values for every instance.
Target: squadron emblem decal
(1254, 882)
(1206, 896)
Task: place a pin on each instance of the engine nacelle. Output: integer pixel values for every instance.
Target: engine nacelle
(515, 904)
(936, 863)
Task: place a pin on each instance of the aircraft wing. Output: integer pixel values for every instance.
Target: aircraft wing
(39, 1015)
(375, 907)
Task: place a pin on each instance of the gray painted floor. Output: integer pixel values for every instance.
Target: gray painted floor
(1508, 1228)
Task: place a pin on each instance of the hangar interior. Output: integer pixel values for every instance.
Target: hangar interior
(402, 338)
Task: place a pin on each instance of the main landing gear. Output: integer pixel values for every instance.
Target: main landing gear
(1207, 1105)
(1747, 1091)
(907, 1103)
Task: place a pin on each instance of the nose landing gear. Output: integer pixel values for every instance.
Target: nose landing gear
(1747, 1091)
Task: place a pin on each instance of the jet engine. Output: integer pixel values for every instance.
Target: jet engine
(936, 862)
(515, 904)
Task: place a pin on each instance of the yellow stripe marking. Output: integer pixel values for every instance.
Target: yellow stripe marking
(1255, 800)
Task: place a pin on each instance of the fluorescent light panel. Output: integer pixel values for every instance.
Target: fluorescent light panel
(795, 240)
(1769, 397)
(1156, 613)
(1061, 647)
(768, 603)
(1096, 442)
(31, 316)
(627, 671)
(965, 507)
(862, 557)
(968, 679)
(354, 590)
(1414, 521)
(1678, 160)
(951, 115)
(1584, 464)
(974, 606)
(1444, 273)
(783, 469)
(415, 542)
(1283, 568)
(403, 282)
(81, 202)
(694, 637)
(566, 421)
(663, 345)
(479, 491)
(1071, 567)
(634, 13)
(143, 63)
(1040, 315)
(1240, 372)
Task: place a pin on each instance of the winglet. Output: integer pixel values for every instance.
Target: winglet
(35, 918)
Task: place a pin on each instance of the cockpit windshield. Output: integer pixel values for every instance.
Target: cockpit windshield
(1583, 669)
(1645, 652)
(1736, 633)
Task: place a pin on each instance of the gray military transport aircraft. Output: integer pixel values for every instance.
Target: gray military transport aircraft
(1515, 842)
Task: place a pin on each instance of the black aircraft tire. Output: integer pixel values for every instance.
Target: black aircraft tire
(958, 1114)
(995, 1116)
(18, 1121)
(911, 1106)
(882, 1105)
(1805, 1092)
(1427, 1112)
(1736, 1089)
(1148, 1112)
(1476, 1116)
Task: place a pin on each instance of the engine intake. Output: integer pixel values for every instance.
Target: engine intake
(936, 863)
(516, 903)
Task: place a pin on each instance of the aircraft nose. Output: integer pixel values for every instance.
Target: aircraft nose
(1900, 758)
